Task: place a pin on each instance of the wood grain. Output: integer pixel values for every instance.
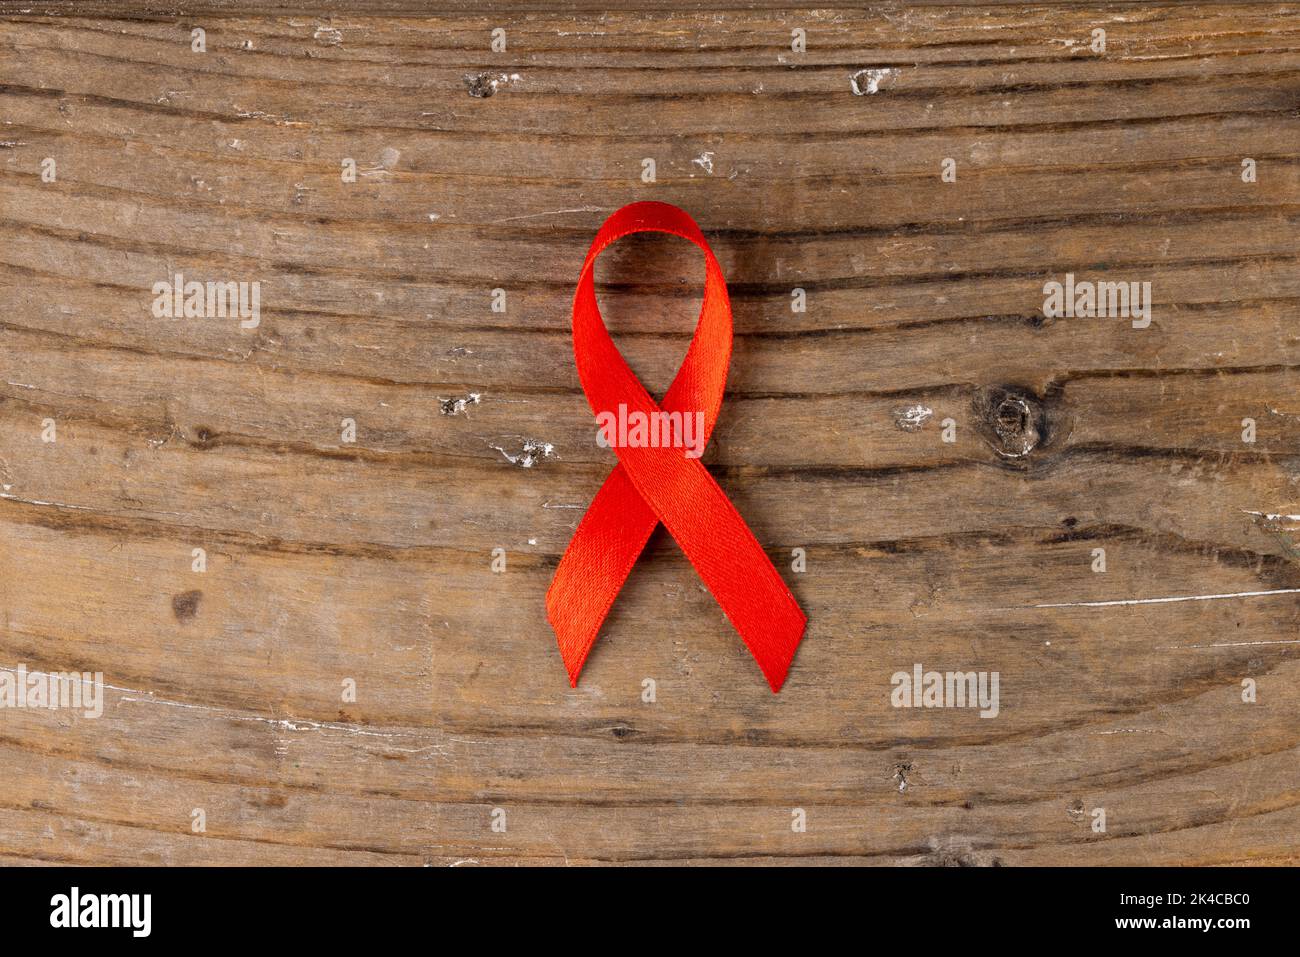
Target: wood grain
(370, 560)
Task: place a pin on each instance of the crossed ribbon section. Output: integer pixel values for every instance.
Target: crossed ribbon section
(657, 484)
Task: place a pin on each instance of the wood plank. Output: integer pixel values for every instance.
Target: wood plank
(369, 561)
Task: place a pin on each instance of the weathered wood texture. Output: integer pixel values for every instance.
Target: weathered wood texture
(370, 560)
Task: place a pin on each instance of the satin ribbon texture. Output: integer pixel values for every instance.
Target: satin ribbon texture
(662, 484)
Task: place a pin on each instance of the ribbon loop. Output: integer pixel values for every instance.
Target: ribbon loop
(653, 483)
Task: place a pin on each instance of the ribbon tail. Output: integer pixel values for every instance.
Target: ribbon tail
(764, 614)
(600, 556)
(726, 555)
(775, 649)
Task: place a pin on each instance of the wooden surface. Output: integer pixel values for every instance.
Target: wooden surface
(371, 560)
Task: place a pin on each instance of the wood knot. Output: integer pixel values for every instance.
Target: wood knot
(1013, 421)
(186, 605)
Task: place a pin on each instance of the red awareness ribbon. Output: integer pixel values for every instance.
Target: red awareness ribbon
(661, 484)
